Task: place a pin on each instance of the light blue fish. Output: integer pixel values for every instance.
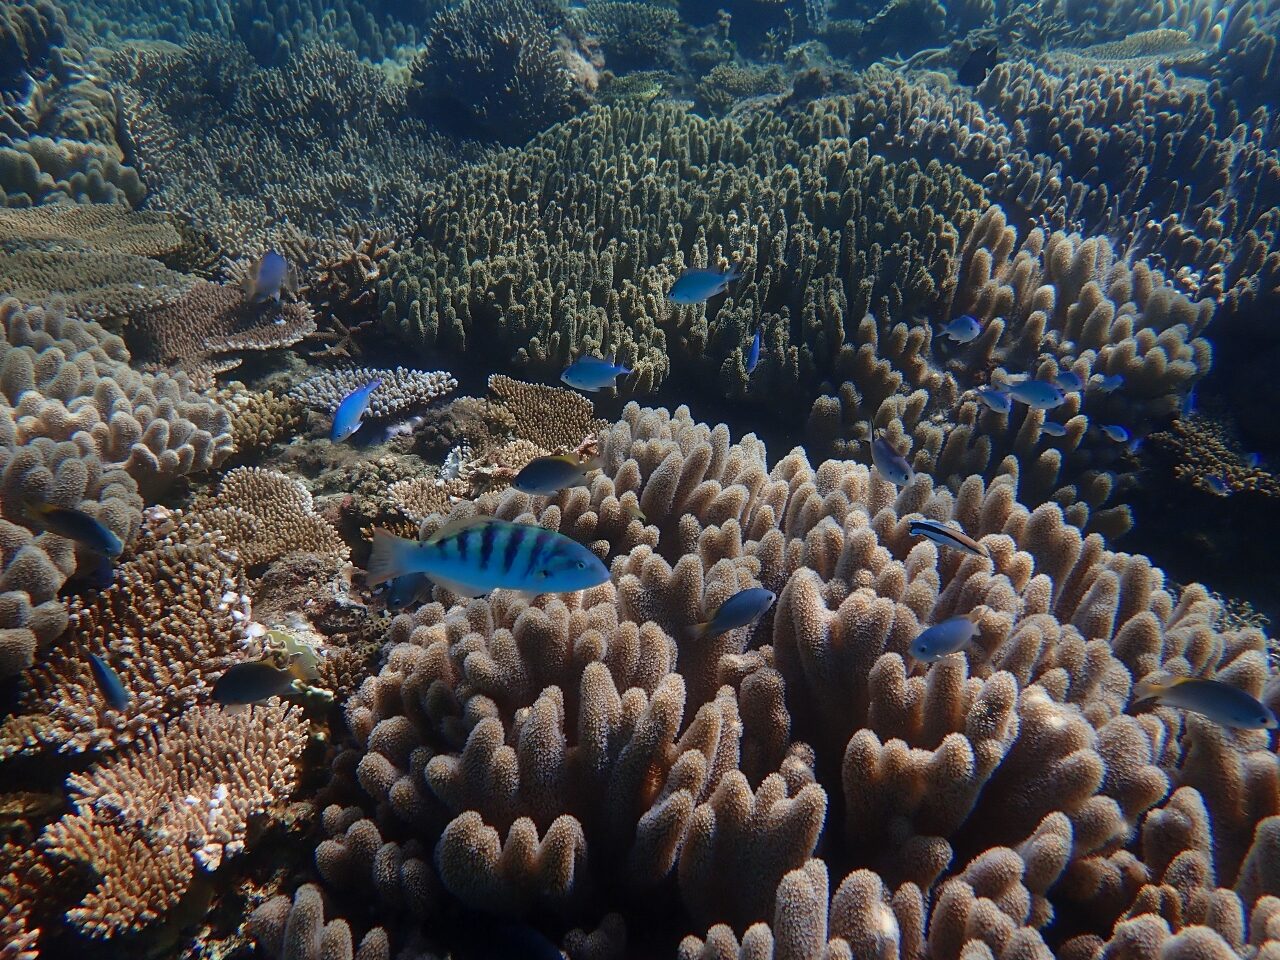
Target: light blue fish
(1217, 485)
(1115, 432)
(753, 355)
(997, 400)
(943, 639)
(267, 278)
(1069, 381)
(346, 419)
(1224, 704)
(591, 374)
(1109, 383)
(890, 463)
(963, 329)
(475, 555)
(1038, 394)
(90, 532)
(741, 610)
(108, 681)
(946, 535)
(1053, 428)
(406, 590)
(698, 285)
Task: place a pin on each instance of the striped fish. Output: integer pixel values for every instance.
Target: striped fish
(474, 555)
(946, 536)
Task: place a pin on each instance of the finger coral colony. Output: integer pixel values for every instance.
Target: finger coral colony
(950, 642)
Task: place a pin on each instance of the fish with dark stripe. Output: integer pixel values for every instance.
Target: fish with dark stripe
(477, 554)
(945, 535)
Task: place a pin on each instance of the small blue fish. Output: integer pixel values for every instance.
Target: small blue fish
(943, 639)
(1190, 404)
(697, 285)
(1217, 485)
(741, 610)
(753, 356)
(889, 463)
(108, 681)
(997, 400)
(1116, 432)
(89, 532)
(946, 536)
(1053, 428)
(346, 419)
(1109, 383)
(474, 555)
(545, 476)
(250, 682)
(266, 278)
(592, 374)
(406, 590)
(963, 329)
(1069, 381)
(1038, 394)
(1222, 703)
(1253, 460)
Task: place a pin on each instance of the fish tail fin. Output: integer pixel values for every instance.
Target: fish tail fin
(1151, 685)
(390, 557)
(695, 631)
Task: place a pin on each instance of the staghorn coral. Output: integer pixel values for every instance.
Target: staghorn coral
(306, 157)
(174, 614)
(19, 940)
(180, 801)
(633, 34)
(1199, 447)
(500, 71)
(402, 390)
(571, 752)
(80, 428)
(726, 84)
(205, 329)
(264, 514)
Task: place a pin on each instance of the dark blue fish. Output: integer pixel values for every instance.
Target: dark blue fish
(1253, 460)
(251, 682)
(266, 278)
(475, 555)
(1190, 404)
(113, 690)
(545, 476)
(406, 590)
(591, 374)
(753, 356)
(978, 64)
(346, 419)
(698, 285)
(89, 532)
(741, 610)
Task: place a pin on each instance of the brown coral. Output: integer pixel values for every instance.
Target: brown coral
(548, 417)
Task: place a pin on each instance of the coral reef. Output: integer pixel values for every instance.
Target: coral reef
(497, 71)
(179, 802)
(568, 753)
(402, 391)
(306, 157)
(80, 428)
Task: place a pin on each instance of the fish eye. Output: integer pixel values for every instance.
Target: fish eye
(582, 564)
(544, 574)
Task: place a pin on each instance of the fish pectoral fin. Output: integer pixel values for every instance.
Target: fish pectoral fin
(461, 589)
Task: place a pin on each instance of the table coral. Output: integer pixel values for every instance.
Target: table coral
(180, 801)
(403, 391)
(571, 752)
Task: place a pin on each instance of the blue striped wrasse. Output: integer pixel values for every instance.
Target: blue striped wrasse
(946, 536)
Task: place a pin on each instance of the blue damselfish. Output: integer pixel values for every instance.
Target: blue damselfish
(697, 285)
(346, 419)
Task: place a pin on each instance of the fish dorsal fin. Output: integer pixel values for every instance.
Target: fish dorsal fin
(457, 526)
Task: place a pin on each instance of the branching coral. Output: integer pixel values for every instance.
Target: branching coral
(500, 71)
(402, 391)
(179, 802)
(548, 417)
(571, 752)
(264, 515)
(173, 617)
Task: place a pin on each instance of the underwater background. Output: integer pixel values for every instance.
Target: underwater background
(820, 455)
